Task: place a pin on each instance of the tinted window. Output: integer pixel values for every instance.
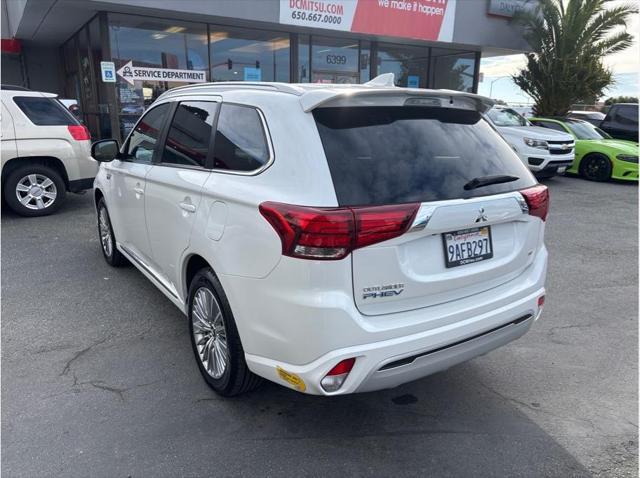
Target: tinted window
(627, 114)
(240, 143)
(44, 111)
(144, 137)
(190, 133)
(550, 125)
(387, 155)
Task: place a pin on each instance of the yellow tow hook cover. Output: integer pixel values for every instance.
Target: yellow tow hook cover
(292, 379)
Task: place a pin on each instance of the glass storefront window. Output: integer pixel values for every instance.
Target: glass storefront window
(409, 64)
(304, 69)
(452, 69)
(334, 60)
(249, 55)
(152, 43)
(365, 61)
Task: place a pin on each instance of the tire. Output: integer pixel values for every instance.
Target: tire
(107, 238)
(596, 167)
(34, 190)
(212, 328)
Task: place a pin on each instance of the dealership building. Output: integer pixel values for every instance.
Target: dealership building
(116, 56)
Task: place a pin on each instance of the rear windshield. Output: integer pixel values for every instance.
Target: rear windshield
(398, 154)
(44, 111)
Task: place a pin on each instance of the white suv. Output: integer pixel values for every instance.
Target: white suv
(45, 152)
(545, 151)
(330, 238)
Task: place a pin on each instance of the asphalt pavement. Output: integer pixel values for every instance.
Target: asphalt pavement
(98, 377)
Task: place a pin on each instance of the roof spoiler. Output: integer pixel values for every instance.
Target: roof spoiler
(381, 91)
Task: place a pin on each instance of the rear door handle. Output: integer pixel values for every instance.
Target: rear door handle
(138, 191)
(187, 207)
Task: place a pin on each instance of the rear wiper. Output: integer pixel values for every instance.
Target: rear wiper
(488, 180)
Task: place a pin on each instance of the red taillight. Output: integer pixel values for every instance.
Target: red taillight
(79, 132)
(332, 233)
(537, 199)
(343, 367)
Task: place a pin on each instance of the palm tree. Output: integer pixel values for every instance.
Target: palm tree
(568, 40)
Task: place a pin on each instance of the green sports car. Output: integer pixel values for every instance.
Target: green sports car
(599, 157)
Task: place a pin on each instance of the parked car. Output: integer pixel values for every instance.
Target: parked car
(308, 248)
(598, 157)
(45, 152)
(544, 152)
(621, 121)
(593, 117)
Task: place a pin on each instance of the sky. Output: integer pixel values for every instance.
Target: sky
(624, 65)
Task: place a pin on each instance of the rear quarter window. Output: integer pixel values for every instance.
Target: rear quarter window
(44, 111)
(399, 154)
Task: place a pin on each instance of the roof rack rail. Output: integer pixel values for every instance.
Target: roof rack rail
(222, 85)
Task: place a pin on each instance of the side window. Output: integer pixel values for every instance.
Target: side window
(627, 114)
(144, 137)
(551, 125)
(190, 133)
(240, 143)
(43, 111)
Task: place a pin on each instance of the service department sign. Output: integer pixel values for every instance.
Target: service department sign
(132, 73)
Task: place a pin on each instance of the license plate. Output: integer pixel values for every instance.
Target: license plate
(467, 246)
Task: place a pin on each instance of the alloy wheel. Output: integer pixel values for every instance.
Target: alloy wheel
(209, 333)
(597, 168)
(36, 191)
(104, 228)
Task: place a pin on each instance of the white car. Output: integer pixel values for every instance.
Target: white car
(331, 238)
(544, 151)
(45, 152)
(593, 117)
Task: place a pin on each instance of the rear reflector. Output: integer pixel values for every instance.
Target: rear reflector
(537, 199)
(541, 301)
(334, 379)
(79, 132)
(332, 233)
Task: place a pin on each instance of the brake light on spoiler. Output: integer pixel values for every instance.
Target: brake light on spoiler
(332, 233)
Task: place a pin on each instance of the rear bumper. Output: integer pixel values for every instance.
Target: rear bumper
(391, 363)
(442, 336)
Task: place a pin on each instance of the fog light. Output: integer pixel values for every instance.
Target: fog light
(333, 380)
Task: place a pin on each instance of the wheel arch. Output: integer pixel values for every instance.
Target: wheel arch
(192, 264)
(49, 161)
(97, 195)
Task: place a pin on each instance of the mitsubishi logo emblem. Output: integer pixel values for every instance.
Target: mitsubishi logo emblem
(481, 215)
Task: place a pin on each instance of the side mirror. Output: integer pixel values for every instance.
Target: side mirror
(105, 150)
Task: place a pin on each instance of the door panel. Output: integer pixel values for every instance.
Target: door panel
(9, 149)
(127, 215)
(173, 198)
(128, 182)
(174, 185)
